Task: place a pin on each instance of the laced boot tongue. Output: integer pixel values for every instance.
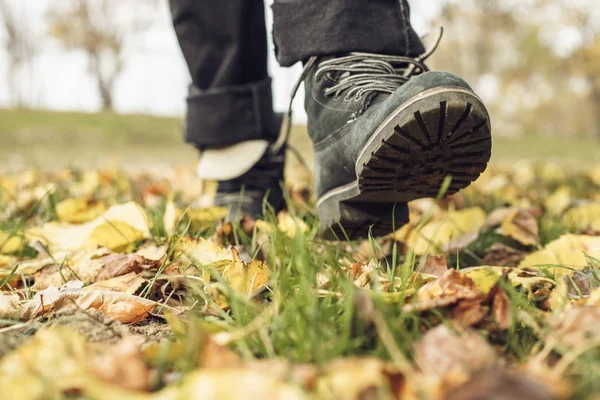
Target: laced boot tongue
(360, 74)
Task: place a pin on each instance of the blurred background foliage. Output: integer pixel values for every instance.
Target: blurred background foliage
(536, 63)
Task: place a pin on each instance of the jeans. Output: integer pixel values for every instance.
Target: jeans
(225, 47)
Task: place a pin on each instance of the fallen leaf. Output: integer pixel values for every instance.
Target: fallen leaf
(128, 283)
(486, 277)
(119, 227)
(361, 378)
(562, 255)
(583, 217)
(558, 201)
(504, 256)
(201, 251)
(521, 225)
(453, 356)
(48, 366)
(446, 290)
(577, 326)
(123, 307)
(501, 384)
(435, 265)
(501, 308)
(246, 278)
(10, 243)
(79, 210)
(122, 365)
(9, 306)
(432, 237)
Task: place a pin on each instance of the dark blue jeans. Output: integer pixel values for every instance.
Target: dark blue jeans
(224, 44)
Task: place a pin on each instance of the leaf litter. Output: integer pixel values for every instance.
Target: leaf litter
(131, 286)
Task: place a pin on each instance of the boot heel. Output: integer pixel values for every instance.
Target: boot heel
(347, 219)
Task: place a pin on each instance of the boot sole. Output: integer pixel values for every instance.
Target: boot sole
(441, 132)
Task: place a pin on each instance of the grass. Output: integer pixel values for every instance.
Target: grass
(33, 138)
(295, 319)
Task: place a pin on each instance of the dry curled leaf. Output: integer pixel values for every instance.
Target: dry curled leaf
(453, 356)
(123, 307)
(522, 226)
(446, 290)
(435, 265)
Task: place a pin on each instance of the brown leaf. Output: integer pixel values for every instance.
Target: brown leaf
(435, 265)
(123, 307)
(129, 283)
(461, 242)
(503, 384)
(501, 307)
(118, 264)
(577, 325)
(216, 356)
(360, 378)
(469, 312)
(504, 256)
(443, 353)
(522, 226)
(123, 365)
(446, 290)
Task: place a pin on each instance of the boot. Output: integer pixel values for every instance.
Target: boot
(386, 131)
(249, 175)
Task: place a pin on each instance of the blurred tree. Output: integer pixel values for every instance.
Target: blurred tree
(20, 47)
(100, 28)
(536, 62)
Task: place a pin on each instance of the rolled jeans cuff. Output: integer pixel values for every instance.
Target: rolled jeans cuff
(305, 28)
(220, 117)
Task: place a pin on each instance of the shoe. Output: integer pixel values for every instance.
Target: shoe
(386, 131)
(247, 194)
(249, 175)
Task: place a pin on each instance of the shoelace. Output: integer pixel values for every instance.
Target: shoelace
(359, 74)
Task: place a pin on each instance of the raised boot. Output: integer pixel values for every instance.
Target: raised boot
(386, 131)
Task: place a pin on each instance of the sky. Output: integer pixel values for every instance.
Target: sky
(155, 77)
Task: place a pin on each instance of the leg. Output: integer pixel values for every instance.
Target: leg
(224, 44)
(384, 128)
(230, 114)
(305, 28)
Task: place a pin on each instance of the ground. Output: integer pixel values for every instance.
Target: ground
(117, 280)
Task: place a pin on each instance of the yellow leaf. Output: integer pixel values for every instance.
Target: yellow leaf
(117, 228)
(521, 225)
(246, 278)
(201, 252)
(170, 217)
(485, 277)
(205, 217)
(290, 225)
(594, 174)
(583, 217)
(562, 255)
(115, 235)
(79, 210)
(10, 243)
(558, 201)
(46, 367)
(434, 235)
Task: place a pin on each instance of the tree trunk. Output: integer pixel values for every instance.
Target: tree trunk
(595, 100)
(104, 85)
